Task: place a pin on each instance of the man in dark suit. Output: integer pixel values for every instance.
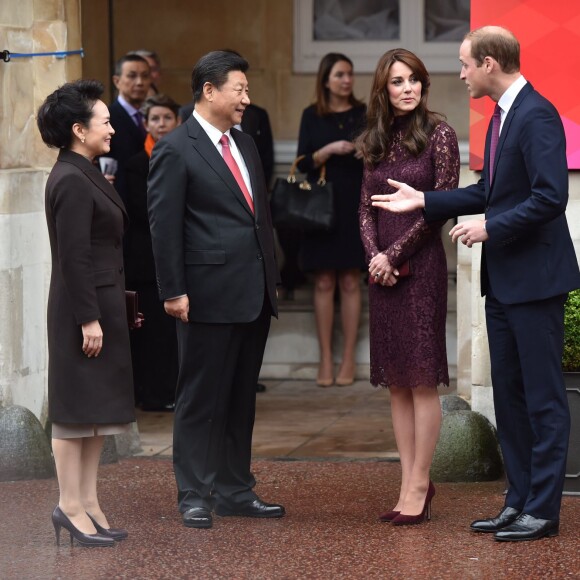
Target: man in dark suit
(528, 267)
(256, 123)
(132, 79)
(214, 252)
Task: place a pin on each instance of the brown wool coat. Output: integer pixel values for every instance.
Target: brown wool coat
(86, 219)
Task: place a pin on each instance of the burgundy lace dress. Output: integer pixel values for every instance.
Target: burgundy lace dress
(407, 320)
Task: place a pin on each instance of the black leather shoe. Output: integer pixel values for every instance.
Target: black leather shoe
(506, 516)
(260, 388)
(197, 517)
(527, 527)
(252, 509)
(157, 407)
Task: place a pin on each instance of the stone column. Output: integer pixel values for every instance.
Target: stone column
(28, 26)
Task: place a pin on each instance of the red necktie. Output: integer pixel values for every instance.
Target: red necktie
(231, 163)
(495, 124)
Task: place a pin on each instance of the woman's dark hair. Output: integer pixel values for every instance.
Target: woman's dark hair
(322, 92)
(159, 100)
(72, 103)
(214, 68)
(374, 142)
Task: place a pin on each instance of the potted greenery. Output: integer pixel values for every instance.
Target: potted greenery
(571, 368)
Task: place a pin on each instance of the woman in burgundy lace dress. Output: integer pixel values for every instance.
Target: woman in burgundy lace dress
(408, 272)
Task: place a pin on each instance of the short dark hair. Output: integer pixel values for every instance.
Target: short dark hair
(130, 57)
(497, 42)
(147, 53)
(69, 104)
(214, 68)
(159, 100)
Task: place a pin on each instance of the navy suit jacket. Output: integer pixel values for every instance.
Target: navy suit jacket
(529, 254)
(206, 241)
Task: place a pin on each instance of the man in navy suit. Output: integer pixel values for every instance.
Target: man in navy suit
(132, 79)
(213, 244)
(528, 267)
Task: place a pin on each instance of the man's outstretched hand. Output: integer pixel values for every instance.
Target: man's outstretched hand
(405, 199)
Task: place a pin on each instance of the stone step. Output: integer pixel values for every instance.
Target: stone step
(292, 347)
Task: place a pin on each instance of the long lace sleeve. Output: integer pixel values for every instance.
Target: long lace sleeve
(446, 162)
(367, 219)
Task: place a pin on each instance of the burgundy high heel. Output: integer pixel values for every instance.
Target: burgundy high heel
(404, 520)
(60, 520)
(116, 533)
(388, 516)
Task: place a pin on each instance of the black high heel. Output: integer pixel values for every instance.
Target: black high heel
(116, 533)
(60, 520)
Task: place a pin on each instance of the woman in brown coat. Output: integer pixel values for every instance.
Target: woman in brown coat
(90, 390)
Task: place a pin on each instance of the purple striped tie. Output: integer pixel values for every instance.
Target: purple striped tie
(495, 124)
(139, 121)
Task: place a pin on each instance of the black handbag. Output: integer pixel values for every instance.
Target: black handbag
(303, 205)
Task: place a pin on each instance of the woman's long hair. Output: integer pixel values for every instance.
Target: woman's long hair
(322, 92)
(374, 142)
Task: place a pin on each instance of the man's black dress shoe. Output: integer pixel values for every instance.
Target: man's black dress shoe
(506, 516)
(260, 388)
(157, 407)
(197, 517)
(527, 527)
(252, 509)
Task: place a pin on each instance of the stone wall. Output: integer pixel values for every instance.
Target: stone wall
(28, 26)
(262, 30)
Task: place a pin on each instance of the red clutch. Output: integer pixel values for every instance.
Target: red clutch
(404, 271)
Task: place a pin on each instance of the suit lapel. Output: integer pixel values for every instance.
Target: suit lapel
(129, 125)
(249, 160)
(504, 131)
(95, 176)
(204, 146)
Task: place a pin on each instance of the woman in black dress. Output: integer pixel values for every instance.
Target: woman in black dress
(90, 384)
(327, 130)
(154, 347)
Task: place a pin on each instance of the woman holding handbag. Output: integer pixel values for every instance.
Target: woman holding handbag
(405, 141)
(90, 384)
(327, 131)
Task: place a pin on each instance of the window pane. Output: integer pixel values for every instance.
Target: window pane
(360, 20)
(446, 20)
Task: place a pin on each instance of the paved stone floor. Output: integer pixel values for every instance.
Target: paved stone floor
(297, 419)
(328, 456)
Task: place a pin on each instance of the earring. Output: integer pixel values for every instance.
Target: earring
(83, 139)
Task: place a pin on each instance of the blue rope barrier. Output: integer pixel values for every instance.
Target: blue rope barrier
(6, 55)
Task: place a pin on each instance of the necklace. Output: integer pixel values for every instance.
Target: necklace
(341, 119)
